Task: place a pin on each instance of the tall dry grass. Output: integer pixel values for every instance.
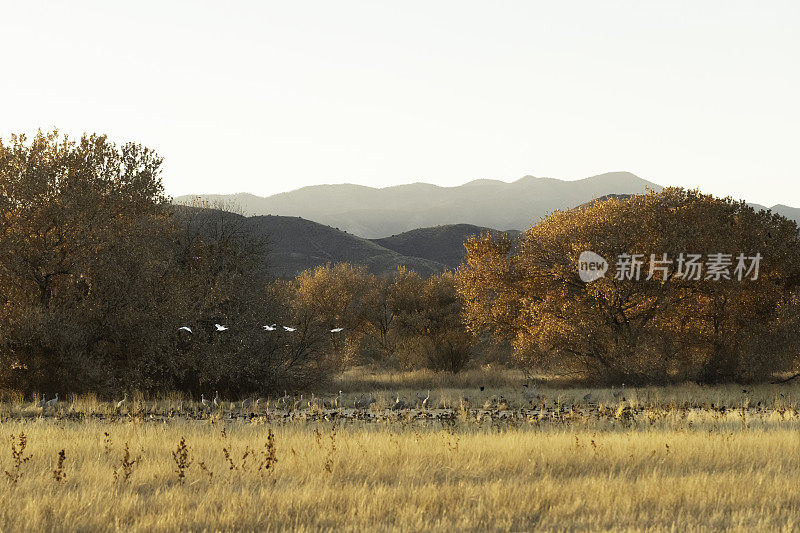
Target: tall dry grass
(672, 467)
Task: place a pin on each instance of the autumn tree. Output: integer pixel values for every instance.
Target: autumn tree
(98, 271)
(330, 297)
(429, 321)
(402, 320)
(621, 329)
(82, 230)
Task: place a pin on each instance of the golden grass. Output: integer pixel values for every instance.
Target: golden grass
(366, 379)
(429, 480)
(653, 462)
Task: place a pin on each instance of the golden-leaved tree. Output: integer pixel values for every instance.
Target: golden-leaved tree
(402, 320)
(665, 328)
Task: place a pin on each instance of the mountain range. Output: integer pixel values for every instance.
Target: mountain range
(419, 226)
(375, 213)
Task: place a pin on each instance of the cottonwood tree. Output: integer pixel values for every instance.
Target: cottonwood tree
(660, 329)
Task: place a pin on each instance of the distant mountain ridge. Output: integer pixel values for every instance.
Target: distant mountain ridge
(377, 213)
(441, 244)
(296, 244)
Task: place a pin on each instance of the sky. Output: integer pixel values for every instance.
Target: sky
(266, 97)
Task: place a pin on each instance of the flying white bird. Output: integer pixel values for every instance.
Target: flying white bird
(184, 328)
(287, 328)
(337, 330)
(220, 327)
(271, 328)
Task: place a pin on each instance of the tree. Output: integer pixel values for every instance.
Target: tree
(334, 296)
(661, 329)
(98, 271)
(429, 320)
(82, 227)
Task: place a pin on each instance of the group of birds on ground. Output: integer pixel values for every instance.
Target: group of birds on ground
(52, 403)
(289, 402)
(618, 394)
(402, 404)
(44, 404)
(208, 404)
(273, 327)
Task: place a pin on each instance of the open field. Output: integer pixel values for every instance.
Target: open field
(674, 458)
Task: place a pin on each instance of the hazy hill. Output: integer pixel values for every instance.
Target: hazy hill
(792, 213)
(375, 213)
(441, 244)
(296, 244)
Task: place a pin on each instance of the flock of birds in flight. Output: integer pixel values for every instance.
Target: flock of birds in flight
(273, 327)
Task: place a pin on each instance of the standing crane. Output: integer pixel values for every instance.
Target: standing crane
(204, 403)
(52, 403)
(122, 402)
(217, 401)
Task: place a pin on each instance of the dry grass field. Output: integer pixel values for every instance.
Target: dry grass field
(654, 459)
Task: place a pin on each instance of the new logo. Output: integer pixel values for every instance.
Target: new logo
(591, 266)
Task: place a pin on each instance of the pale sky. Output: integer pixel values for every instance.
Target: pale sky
(265, 97)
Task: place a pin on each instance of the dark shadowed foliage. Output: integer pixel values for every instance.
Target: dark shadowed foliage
(98, 272)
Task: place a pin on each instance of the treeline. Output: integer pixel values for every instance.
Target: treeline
(99, 271)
